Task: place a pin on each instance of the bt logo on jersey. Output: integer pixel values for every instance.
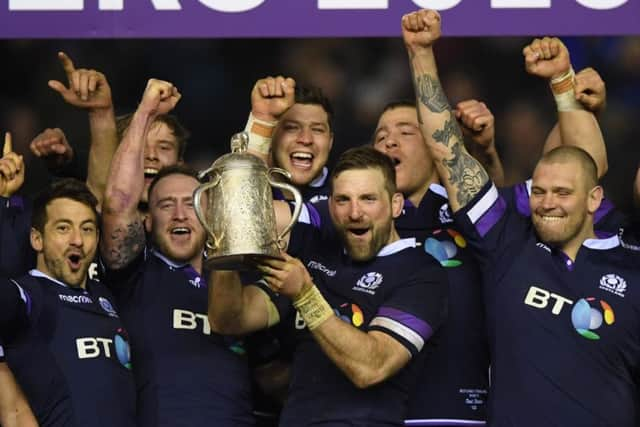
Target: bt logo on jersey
(185, 319)
(586, 315)
(92, 347)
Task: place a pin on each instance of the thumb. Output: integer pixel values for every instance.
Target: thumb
(57, 86)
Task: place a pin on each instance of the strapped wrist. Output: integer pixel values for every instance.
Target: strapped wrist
(260, 134)
(313, 308)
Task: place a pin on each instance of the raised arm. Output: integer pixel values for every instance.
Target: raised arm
(548, 58)
(478, 127)
(235, 309)
(123, 235)
(11, 169)
(461, 174)
(270, 98)
(89, 90)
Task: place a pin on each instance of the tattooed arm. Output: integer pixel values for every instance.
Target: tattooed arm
(461, 174)
(123, 236)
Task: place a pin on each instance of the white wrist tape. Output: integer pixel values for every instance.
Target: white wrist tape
(260, 134)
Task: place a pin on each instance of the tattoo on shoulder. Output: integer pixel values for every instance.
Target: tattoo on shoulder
(430, 93)
(465, 173)
(126, 243)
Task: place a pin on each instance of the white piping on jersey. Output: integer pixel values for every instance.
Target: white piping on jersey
(404, 331)
(439, 190)
(304, 217)
(602, 244)
(166, 260)
(443, 422)
(22, 293)
(483, 205)
(398, 246)
(1, 351)
(38, 273)
(320, 180)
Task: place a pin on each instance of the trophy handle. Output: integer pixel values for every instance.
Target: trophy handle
(296, 195)
(197, 196)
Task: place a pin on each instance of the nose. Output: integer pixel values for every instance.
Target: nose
(150, 152)
(180, 212)
(390, 142)
(355, 213)
(548, 201)
(76, 238)
(305, 136)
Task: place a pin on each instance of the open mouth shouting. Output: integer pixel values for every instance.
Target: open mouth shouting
(74, 260)
(302, 160)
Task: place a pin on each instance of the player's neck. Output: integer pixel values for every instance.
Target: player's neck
(572, 247)
(416, 197)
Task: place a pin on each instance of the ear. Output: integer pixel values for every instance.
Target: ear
(331, 142)
(147, 222)
(397, 203)
(594, 199)
(36, 240)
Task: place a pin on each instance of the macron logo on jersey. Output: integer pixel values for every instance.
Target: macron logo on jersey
(317, 266)
(76, 299)
(444, 214)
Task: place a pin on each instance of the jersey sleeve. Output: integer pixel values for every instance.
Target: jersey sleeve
(16, 255)
(15, 308)
(494, 227)
(415, 310)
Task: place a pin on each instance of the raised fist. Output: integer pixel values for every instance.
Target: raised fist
(271, 97)
(87, 88)
(11, 169)
(159, 97)
(420, 29)
(547, 58)
(52, 146)
(476, 121)
(590, 90)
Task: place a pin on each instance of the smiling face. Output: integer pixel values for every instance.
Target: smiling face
(302, 142)
(172, 222)
(67, 244)
(362, 211)
(398, 136)
(161, 149)
(562, 204)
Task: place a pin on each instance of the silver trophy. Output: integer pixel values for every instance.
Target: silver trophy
(238, 215)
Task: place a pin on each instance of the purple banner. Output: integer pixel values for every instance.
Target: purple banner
(309, 18)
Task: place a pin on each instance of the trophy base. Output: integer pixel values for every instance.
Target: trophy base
(241, 262)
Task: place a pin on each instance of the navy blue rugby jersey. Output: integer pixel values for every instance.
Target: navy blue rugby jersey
(318, 189)
(454, 381)
(185, 374)
(401, 292)
(565, 335)
(16, 255)
(68, 351)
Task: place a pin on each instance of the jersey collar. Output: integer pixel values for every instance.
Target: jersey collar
(321, 179)
(397, 246)
(38, 273)
(602, 244)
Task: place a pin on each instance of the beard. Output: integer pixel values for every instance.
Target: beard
(361, 250)
(560, 233)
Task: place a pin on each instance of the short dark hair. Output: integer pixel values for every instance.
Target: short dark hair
(398, 103)
(179, 131)
(67, 188)
(179, 169)
(313, 95)
(569, 153)
(366, 157)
